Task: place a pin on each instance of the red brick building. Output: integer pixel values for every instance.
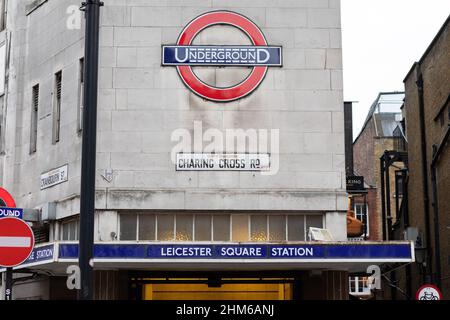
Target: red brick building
(376, 137)
(427, 118)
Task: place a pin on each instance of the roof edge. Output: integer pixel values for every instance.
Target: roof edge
(429, 48)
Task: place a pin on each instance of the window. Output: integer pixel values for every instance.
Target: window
(296, 228)
(216, 227)
(258, 225)
(128, 227)
(80, 95)
(69, 230)
(314, 222)
(361, 213)
(2, 15)
(239, 228)
(134, 226)
(57, 107)
(221, 228)
(277, 228)
(165, 227)
(184, 227)
(2, 67)
(147, 227)
(359, 286)
(34, 118)
(203, 228)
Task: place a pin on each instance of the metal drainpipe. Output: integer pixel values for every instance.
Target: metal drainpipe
(426, 200)
(366, 213)
(383, 205)
(437, 244)
(406, 225)
(437, 235)
(389, 221)
(388, 201)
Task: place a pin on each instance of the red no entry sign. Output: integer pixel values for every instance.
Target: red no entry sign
(16, 242)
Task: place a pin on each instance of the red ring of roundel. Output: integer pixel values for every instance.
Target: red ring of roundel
(6, 197)
(222, 94)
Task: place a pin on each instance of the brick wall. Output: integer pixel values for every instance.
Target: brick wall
(369, 146)
(435, 67)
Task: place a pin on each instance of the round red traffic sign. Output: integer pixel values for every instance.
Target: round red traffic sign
(6, 200)
(16, 242)
(428, 292)
(239, 90)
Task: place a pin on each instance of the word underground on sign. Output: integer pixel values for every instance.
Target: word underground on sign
(217, 55)
(11, 213)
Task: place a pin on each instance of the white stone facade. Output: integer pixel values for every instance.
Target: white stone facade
(141, 103)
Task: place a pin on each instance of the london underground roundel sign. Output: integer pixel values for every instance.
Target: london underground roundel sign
(259, 56)
(6, 200)
(16, 242)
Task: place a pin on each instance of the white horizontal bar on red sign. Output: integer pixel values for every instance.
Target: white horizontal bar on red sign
(15, 242)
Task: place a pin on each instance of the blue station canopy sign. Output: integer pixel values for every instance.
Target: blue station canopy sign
(345, 252)
(41, 254)
(222, 56)
(11, 213)
(299, 252)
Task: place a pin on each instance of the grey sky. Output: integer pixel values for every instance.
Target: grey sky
(381, 41)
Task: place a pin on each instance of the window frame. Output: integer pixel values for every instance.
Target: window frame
(359, 283)
(2, 15)
(68, 222)
(361, 205)
(212, 216)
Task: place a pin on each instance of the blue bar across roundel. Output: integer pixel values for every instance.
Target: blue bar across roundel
(222, 56)
(11, 213)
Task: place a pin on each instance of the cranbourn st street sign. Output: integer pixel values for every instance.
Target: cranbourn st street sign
(223, 162)
(259, 55)
(54, 177)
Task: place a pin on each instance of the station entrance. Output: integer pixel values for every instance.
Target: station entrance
(217, 286)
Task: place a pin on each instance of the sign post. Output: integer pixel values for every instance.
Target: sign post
(16, 245)
(7, 200)
(8, 284)
(88, 156)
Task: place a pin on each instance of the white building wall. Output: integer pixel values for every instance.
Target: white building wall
(41, 45)
(146, 102)
(142, 103)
